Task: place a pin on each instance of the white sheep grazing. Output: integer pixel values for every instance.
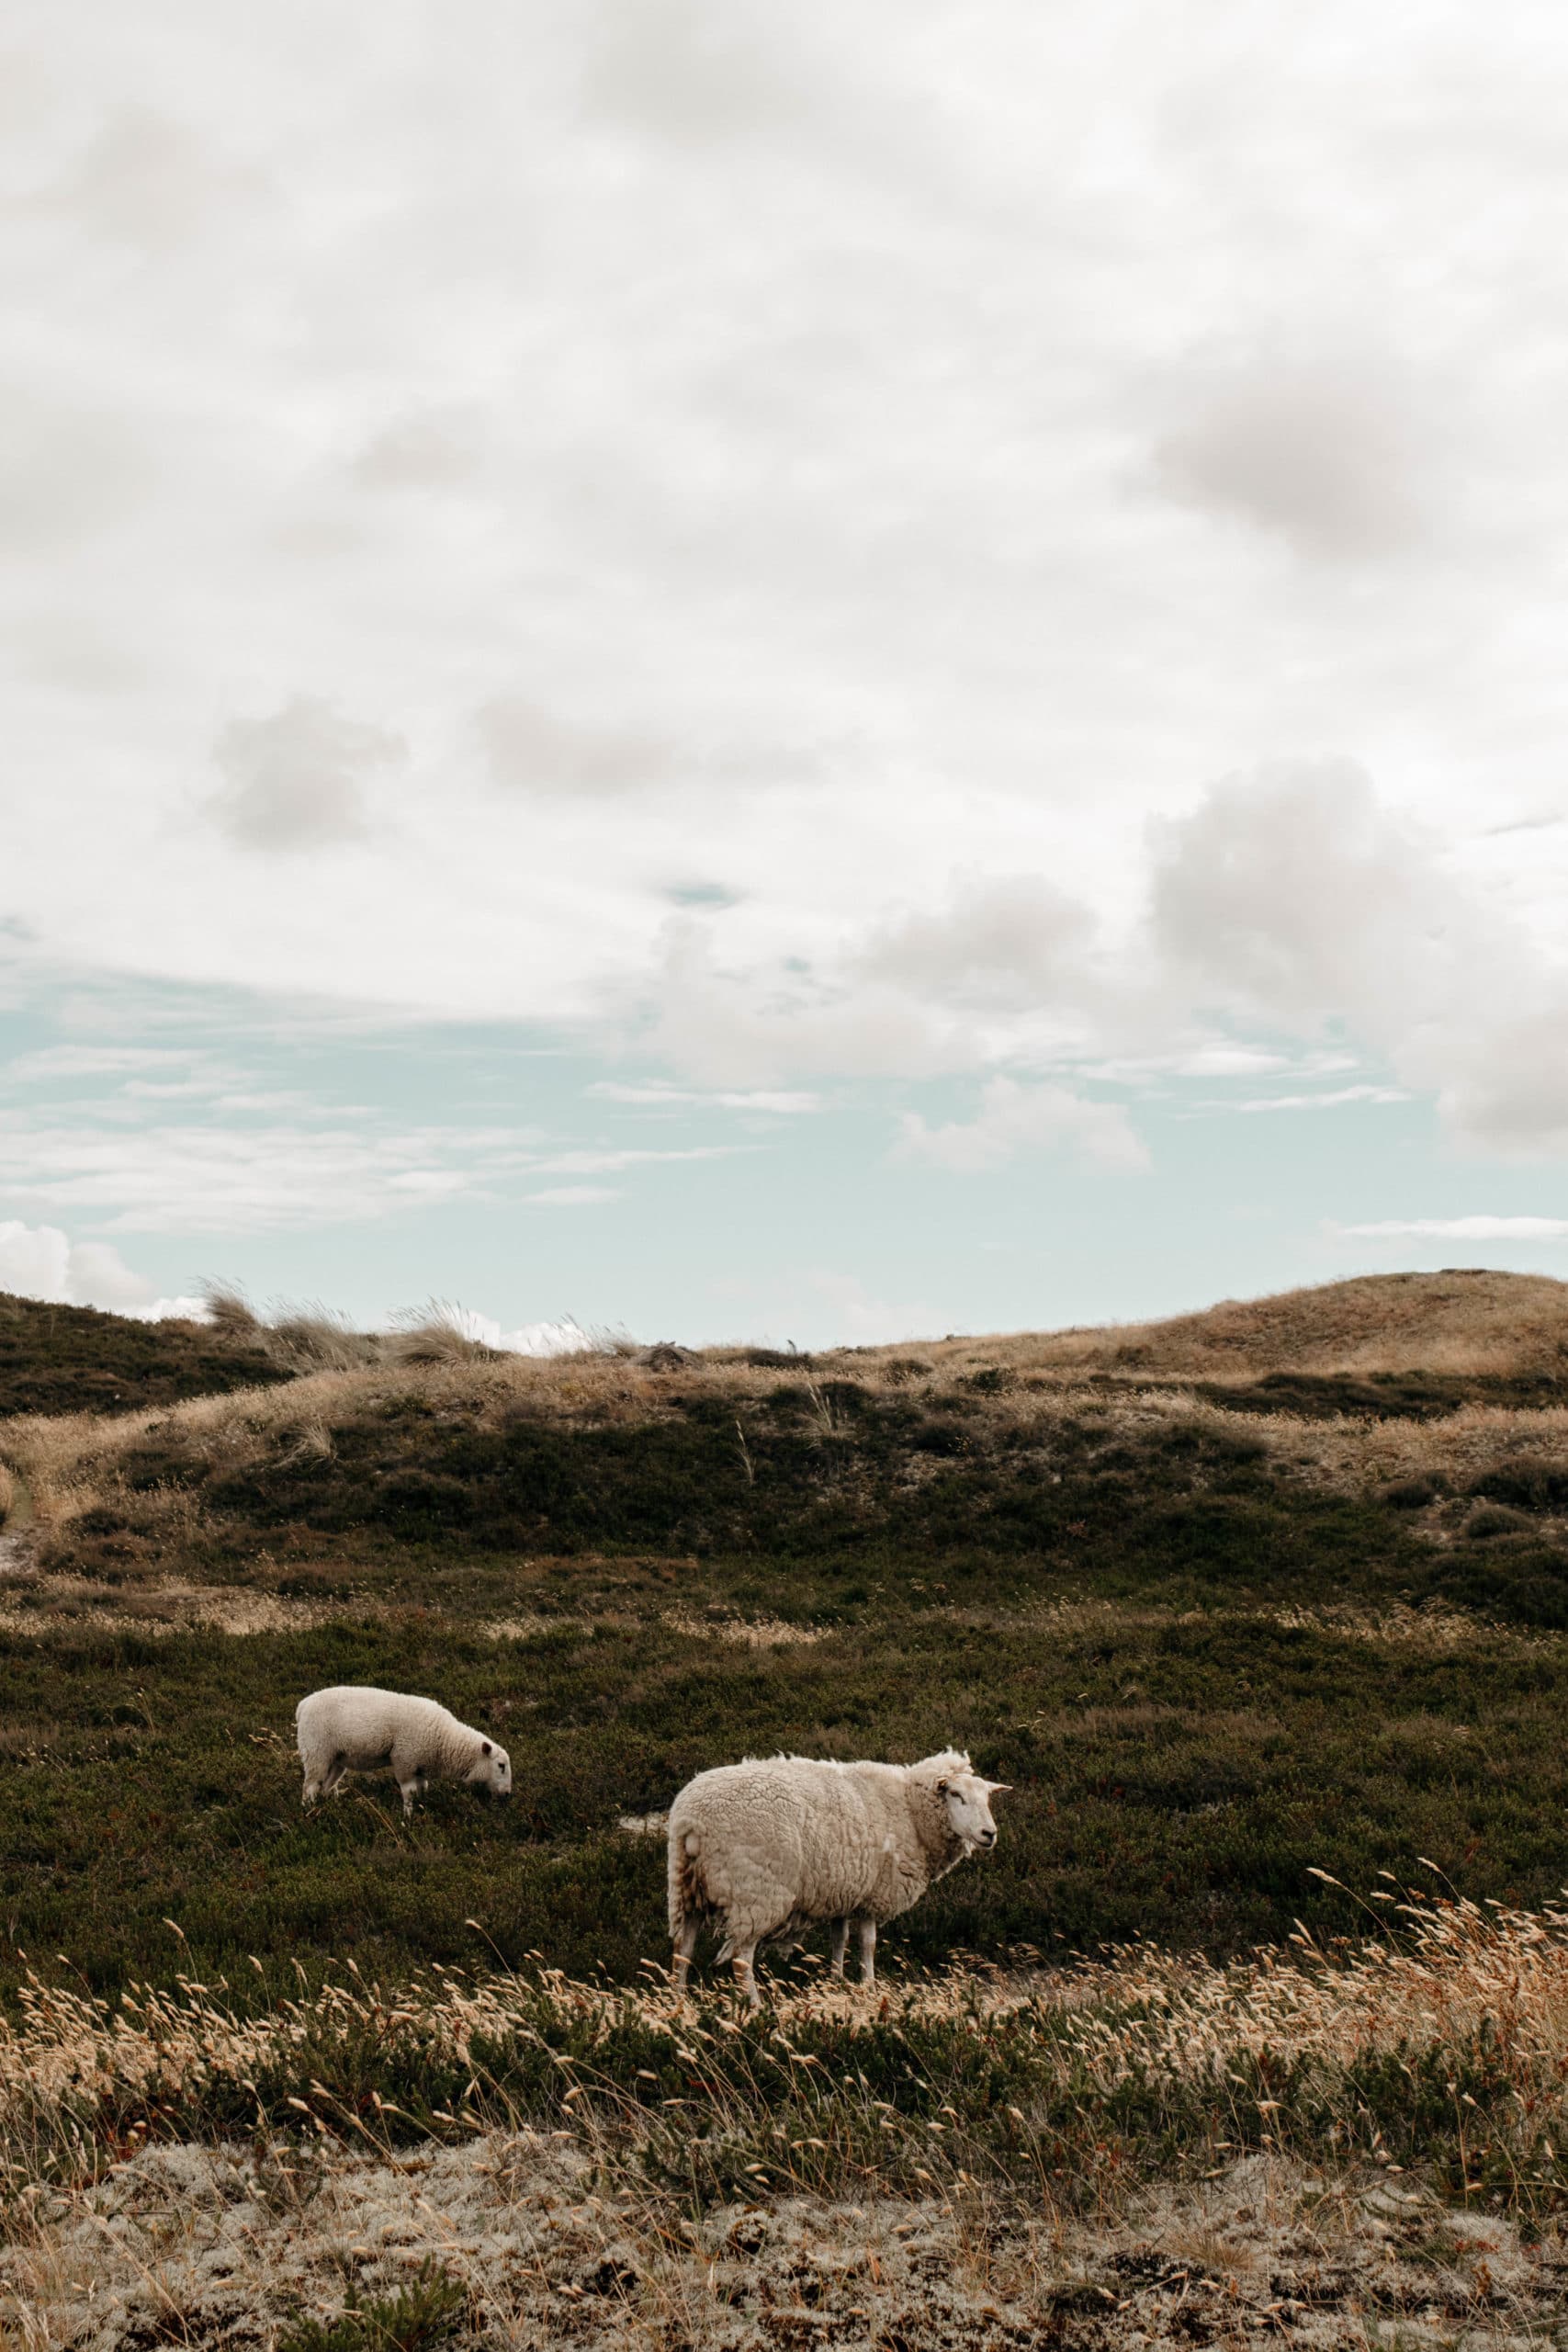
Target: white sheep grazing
(772, 1847)
(352, 1728)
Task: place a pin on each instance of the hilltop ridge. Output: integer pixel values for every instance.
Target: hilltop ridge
(57, 1359)
(1465, 1319)
(1474, 1322)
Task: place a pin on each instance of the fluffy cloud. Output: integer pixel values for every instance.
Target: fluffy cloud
(1317, 449)
(563, 1337)
(1016, 1118)
(41, 1262)
(297, 780)
(1294, 896)
(527, 747)
(852, 497)
(915, 464)
(1008, 943)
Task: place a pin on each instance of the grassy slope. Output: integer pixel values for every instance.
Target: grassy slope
(1127, 1607)
(75, 1359)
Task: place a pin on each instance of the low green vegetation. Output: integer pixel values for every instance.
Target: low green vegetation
(1207, 1668)
(75, 1360)
(1178, 1771)
(417, 2318)
(1259, 1655)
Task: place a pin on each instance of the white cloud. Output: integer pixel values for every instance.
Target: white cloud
(1003, 941)
(431, 449)
(1016, 1118)
(1332, 1100)
(563, 1337)
(1320, 447)
(664, 1097)
(49, 1063)
(296, 781)
(831, 577)
(528, 747)
(571, 1197)
(893, 492)
(1459, 1229)
(41, 1262)
(143, 180)
(256, 1179)
(606, 1163)
(1294, 896)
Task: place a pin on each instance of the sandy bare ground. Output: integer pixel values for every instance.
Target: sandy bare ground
(205, 2247)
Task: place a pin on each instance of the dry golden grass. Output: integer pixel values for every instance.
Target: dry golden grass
(1030, 1385)
(69, 1606)
(70, 1462)
(1334, 2133)
(1480, 1321)
(1440, 1977)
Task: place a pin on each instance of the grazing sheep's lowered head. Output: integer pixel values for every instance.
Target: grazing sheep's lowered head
(491, 1770)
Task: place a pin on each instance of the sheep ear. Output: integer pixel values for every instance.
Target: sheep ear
(997, 1788)
(487, 1747)
(942, 1788)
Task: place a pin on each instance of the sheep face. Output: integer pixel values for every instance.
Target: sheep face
(968, 1802)
(493, 1770)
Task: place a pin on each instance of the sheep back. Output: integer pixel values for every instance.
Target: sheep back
(774, 1845)
(369, 1727)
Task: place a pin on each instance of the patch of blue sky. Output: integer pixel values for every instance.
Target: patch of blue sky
(205, 1133)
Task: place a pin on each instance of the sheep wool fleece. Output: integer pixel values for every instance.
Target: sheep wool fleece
(353, 1728)
(775, 1845)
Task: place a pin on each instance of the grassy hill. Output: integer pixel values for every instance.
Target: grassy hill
(1264, 1614)
(1464, 1322)
(1289, 1594)
(75, 1360)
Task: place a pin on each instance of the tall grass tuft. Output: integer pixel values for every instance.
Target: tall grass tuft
(230, 1314)
(439, 1332)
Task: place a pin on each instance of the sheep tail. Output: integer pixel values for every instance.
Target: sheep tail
(689, 1894)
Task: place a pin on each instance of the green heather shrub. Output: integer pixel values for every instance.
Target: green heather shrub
(418, 2318)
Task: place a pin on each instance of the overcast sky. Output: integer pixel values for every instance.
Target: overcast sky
(819, 672)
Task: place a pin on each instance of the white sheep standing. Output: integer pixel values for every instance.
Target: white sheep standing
(773, 1847)
(352, 1728)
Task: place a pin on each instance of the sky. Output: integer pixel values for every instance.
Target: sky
(806, 674)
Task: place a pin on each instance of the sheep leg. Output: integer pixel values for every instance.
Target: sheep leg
(411, 1789)
(840, 1937)
(322, 1780)
(868, 1952)
(685, 1945)
(746, 1974)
